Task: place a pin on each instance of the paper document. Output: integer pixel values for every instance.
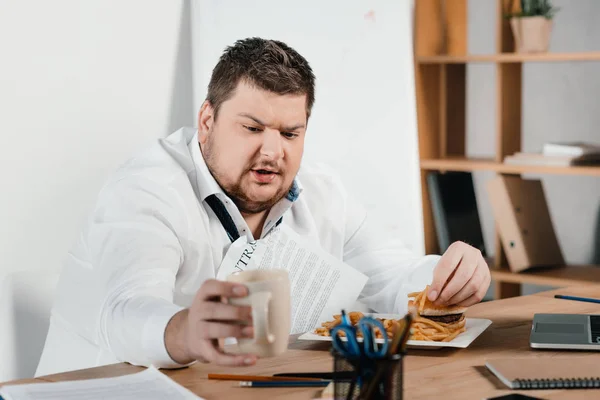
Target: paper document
(321, 285)
(149, 384)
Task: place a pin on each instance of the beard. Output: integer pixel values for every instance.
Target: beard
(235, 190)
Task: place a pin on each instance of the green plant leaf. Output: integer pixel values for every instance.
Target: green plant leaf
(535, 8)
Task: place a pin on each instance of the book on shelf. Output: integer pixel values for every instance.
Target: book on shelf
(521, 158)
(454, 207)
(572, 149)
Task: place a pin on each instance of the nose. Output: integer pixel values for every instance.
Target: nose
(271, 145)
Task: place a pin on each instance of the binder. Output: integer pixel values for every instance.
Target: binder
(546, 373)
(524, 223)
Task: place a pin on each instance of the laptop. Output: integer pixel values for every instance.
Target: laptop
(565, 331)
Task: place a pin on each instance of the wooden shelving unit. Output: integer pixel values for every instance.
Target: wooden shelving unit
(508, 58)
(482, 164)
(569, 275)
(440, 59)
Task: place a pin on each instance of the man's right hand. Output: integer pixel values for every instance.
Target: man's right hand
(194, 333)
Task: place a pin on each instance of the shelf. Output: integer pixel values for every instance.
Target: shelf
(482, 164)
(569, 275)
(509, 58)
(441, 55)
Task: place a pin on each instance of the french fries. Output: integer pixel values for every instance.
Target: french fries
(422, 329)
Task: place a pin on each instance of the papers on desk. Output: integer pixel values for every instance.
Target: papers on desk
(149, 384)
(321, 285)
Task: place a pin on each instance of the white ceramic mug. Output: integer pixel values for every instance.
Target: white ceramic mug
(269, 297)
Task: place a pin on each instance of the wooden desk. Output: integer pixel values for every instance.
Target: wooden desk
(444, 374)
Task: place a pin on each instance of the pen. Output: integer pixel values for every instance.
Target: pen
(230, 377)
(284, 383)
(586, 299)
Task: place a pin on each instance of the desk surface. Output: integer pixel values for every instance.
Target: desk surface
(445, 373)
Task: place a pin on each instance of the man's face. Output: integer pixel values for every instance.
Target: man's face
(254, 146)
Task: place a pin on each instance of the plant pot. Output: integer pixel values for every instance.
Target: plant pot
(532, 34)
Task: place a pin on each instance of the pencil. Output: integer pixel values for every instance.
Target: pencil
(229, 377)
(265, 384)
(560, 296)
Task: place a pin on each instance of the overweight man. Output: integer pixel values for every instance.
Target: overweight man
(139, 285)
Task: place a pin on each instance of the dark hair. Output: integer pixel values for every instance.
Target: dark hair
(267, 64)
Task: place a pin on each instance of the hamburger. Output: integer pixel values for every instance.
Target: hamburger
(433, 322)
(444, 314)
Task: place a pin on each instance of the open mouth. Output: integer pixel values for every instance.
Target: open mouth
(264, 175)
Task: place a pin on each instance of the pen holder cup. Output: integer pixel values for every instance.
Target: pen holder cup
(365, 378)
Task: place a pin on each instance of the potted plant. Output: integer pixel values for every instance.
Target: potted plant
(531, 26)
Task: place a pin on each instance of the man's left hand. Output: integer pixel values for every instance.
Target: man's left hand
(461, 277)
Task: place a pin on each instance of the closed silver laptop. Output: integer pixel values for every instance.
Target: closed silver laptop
(565, 331)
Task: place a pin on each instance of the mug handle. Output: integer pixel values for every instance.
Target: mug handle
(260, 317)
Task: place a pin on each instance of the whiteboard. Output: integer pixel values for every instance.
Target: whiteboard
(364, 119)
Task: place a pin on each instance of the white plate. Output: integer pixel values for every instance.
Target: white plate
(475, 326)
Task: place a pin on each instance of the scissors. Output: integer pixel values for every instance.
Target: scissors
(351, 347)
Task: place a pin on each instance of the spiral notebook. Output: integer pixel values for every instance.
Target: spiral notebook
(546, 373)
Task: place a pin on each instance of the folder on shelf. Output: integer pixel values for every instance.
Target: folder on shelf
(524, 224)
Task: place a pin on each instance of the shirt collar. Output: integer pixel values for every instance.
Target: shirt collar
(294, 191)
(207, 185)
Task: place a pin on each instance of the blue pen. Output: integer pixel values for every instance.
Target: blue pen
(560, 296)
(284, 383)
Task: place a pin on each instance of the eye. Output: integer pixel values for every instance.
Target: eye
(252, 129)
(289, 135)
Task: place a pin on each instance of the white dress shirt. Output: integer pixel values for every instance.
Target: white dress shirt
(151, 241)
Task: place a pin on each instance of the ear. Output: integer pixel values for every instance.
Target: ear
(205, 121)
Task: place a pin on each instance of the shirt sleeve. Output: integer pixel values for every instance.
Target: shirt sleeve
(392, 268)
(135, 253)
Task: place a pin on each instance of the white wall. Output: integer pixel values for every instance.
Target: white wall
(83, 84)
(363, 122)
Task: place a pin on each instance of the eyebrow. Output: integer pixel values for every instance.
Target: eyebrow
(258, 121)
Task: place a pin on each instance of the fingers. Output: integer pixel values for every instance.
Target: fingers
(481, 291)
(459, 275)
(463, 274)
(214, 311)
(216, 330)
(467, 291)
(211, 318)
(471, 288)
(444, 268)
(213, 288)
